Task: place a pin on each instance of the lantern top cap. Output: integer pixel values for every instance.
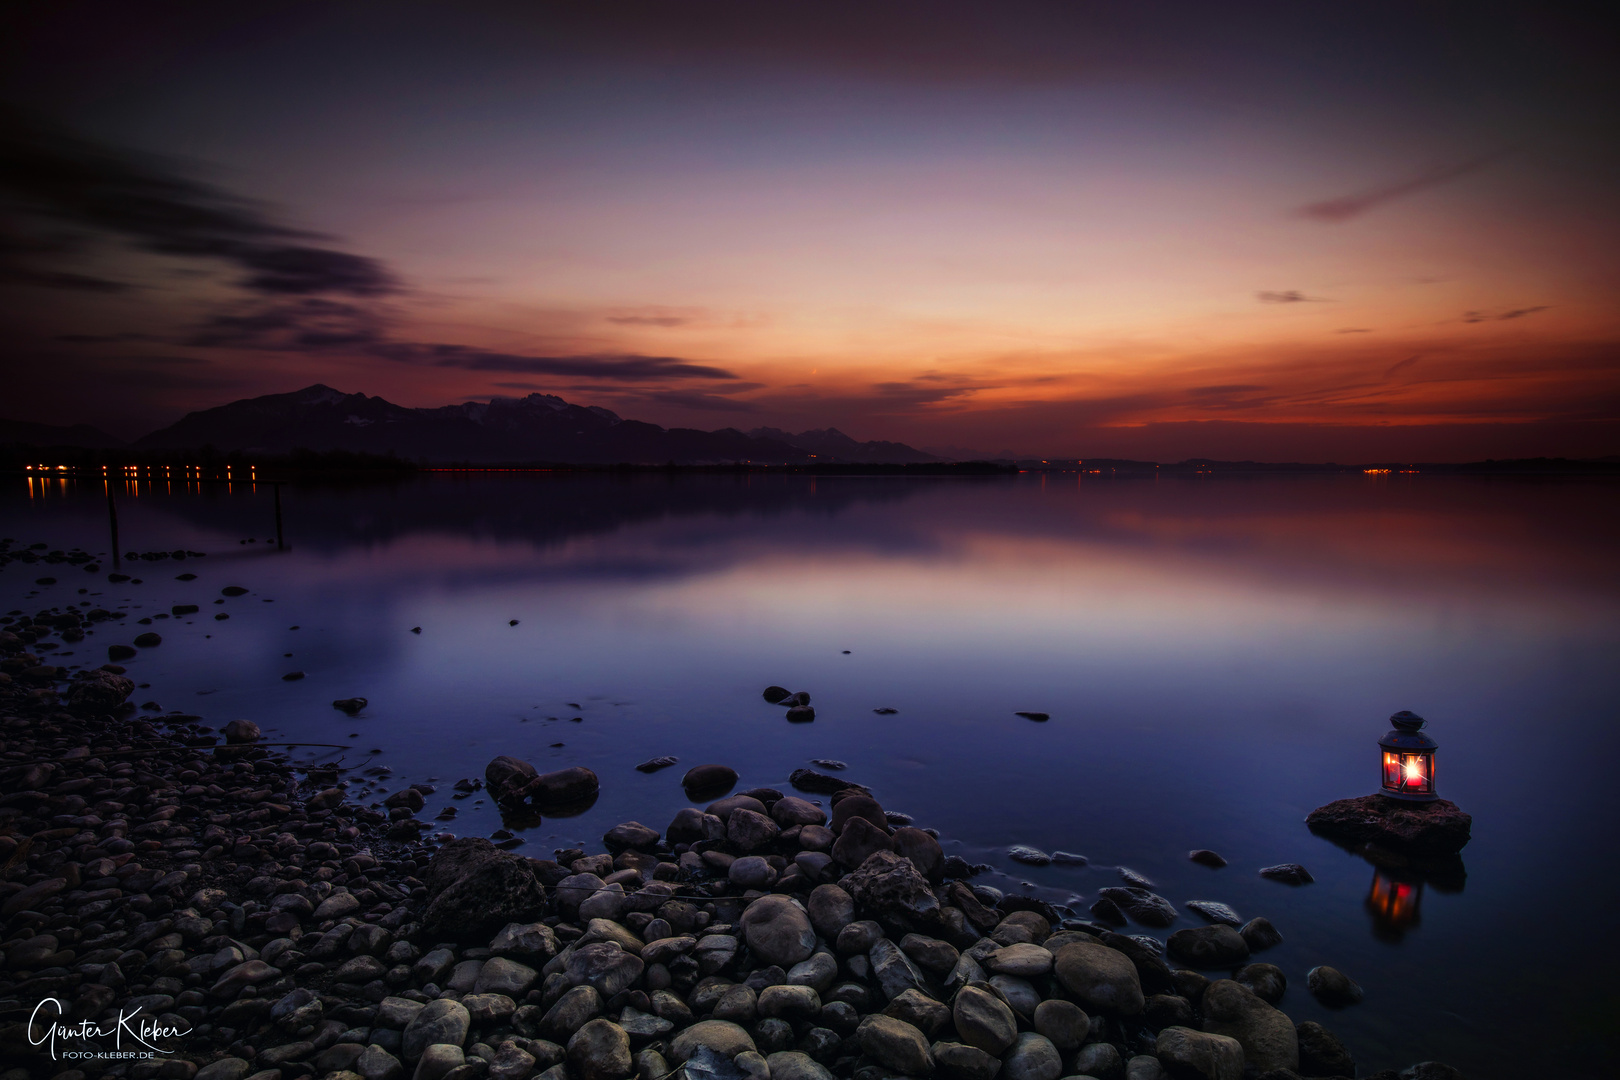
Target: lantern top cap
(1405, 720)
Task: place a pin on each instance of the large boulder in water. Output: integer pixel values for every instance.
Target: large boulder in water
(1147, 908)
(1430, 828)
(101, 692)
(509, 779)
(499, 890)
(571, 785)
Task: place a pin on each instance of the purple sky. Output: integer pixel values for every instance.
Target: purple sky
(1147, 229)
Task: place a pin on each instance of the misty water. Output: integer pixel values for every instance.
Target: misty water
(1218, 656)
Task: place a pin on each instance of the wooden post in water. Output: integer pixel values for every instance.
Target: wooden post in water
(280, 544)
(112, 518)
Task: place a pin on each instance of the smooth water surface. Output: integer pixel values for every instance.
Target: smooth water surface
(1218, 657)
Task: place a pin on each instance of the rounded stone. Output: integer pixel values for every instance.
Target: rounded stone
(778, 931)
(983, 1020)
(1100, 977)
(1213, 946)
(1332, 987)
(895, 1044)
(600, 1051)
(724, 1038)
(1063, 1022)
(1032, 1057)
(440, 1021)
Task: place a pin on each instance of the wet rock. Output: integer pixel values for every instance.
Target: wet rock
(1321, 1053)
(820, 783)
(1147, 908)
(963, 1062)
(1266, 980)
(749, 830)
(724, 1038)
(893, 969)
(1101, 1060)
(1259, 934)
(599, 1051)
(499, 890)
(443, 1021)
(1267, 1035)
(605, 966)
(103, 691)
(1064, 1023)
(1023, 961)
(792, 810)
(1214, 912)
(652, 765)
(147, 640)
(438, 1061)
(1205, 857)
(571, 1012)
(525, 941)
(858, 841)
(1144, 1067)
(922, 850)
(502, 976)
(800, 714)
(1332, 987)
(1032, 1057)
(931, 954)
(831, 909)
(850, 807)
(1186, 1052)
(793, 1065)
(778, 931)
(775, 694)
(983, 1020)
(509, 780)
(1029, 856)
(1038, 717)
(1287, 873)
(692, 825)
(1430, 828)
(887, 883)
(708, 778)
(895, 1044)
(1100, 977)
(1209, 946)
(1167, 1010)
(571, 785)
(350, 705)
(631, 834)
(752, 872)
(789, 1002)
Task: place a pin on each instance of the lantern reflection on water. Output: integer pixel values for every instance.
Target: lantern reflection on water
(1393, 904)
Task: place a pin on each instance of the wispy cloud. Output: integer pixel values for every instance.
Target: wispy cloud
(1401, 365)
(1347, 207)
(664, 321)
(1288, 296)
(1502, 316)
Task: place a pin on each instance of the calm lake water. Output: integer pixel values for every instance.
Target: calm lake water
(1218, 657)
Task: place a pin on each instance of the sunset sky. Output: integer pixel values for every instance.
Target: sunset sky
(1154, 230)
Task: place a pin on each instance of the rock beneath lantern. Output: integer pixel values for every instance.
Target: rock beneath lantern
(1436, 828)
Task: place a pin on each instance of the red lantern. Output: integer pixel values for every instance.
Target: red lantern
(1408, 766)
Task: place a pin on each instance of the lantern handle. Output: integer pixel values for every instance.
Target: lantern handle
(1406, 720)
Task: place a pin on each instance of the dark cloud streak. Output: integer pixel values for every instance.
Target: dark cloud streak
(1348, 207)
(49, 173)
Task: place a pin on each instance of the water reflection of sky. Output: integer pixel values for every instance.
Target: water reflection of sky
(1217, 658)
